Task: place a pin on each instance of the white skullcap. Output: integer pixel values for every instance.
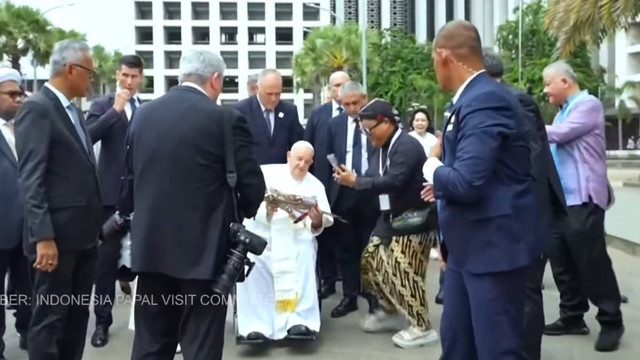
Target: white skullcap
(10, 74)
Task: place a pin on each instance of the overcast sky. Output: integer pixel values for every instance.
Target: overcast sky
(105, 22)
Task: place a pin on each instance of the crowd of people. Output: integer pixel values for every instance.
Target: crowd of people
(352, 197)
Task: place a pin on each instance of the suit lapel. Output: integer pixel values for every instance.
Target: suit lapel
(342, 138)
(258, 115)
(6, 150)
(278, 122)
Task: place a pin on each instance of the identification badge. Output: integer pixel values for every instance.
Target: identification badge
(384, 202)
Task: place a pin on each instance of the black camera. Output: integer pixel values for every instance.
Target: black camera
(242, 241)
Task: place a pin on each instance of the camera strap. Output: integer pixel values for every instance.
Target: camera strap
(230, 162)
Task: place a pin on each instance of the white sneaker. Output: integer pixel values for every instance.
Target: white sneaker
(414, 337)
(178, 350)
(433, 254)
(380, 321)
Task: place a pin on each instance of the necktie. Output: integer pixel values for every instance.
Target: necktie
(267, 118)
(76, 123)
(11, 140)
(340, 110)
(356, 154)
(132, 102)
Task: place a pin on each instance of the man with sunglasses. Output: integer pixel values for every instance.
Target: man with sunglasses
(12, 258)
(57, 179)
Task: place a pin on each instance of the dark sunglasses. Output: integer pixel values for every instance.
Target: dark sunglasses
(366, 131)
(15, 95)
(91, 72)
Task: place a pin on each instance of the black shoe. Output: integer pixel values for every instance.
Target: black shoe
(560, 328)
(624, 299)
(327, 290)
(256, 336)
(23, 343)
(300, 332)
(609, 339)
(347, 305)
(440, 297)
(373, 302)
(100, 337)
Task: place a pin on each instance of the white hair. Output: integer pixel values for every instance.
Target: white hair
(198, 66)
(301, 144)
(66, 52)
(266, 72)
(560, 68)
(338, 74)
(351, 87)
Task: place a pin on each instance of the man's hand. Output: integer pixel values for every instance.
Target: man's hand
(343, 176)
(121, 99)
(427, 194)
(436, 150)
(316, 217)
(47, 255)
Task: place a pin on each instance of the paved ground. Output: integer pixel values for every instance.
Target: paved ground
(342, 340)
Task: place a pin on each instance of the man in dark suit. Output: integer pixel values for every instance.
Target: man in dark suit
(12, 258)
(316, 133)
(274, 124)
(59, 185)
(351, 149)
(551, 206)
(183, 208)
(487, 208)
(107, 123)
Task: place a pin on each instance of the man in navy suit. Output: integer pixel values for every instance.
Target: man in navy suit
(12, 258)
(487, 209)
(274, 124)
(316, 133)
(107, 123)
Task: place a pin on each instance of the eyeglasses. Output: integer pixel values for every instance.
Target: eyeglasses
(15, 95)
(367, 131)
(91, 72)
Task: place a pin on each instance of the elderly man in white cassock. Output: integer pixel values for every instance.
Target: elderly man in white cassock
(279, 298)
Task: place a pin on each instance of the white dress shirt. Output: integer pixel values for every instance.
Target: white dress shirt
(7, 131)
(433, 163)
(334, 109)
(351, 128)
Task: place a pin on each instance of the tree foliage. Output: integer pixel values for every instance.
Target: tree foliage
(575, 22)
(105, 64)
(538, 45)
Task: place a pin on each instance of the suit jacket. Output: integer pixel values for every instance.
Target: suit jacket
(271, 149)
(107, 125)
(57, 176)
(182, 203)
(11, 208)
(487, 213)
(316, 133)
(337, 145)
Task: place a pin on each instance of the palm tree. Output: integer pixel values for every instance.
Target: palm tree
(105, 65)
(22, 29)
(576, 21)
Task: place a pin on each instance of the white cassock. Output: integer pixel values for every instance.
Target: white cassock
(281, 290)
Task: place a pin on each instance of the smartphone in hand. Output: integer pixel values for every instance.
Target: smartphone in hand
(333, 160)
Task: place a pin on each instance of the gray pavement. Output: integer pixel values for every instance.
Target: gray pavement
(341, 339)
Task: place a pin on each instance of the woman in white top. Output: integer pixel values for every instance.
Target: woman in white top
(422, 130)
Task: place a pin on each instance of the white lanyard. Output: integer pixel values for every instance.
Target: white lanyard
(393, 140)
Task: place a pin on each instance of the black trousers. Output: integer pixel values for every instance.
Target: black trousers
(582, 268)
(106, 276)
(14, 261)
(60, 306)
(169, 311)
(352, 237)
(327, 256)
(531, 336)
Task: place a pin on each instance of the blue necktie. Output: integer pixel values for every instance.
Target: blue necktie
(76, 124)
(356, 155)
(267, 118)
(132, 102)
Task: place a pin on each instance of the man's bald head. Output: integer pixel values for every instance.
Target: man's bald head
(462, 39)
(336, 80)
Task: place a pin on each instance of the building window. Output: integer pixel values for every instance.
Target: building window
(467, 10)
(172, 11)
(284, 59)
(172, 35)
(257, 60)
(200, 35)
(284, 36)
(449, 10)
(306, 31)
(147, 85)
(284, 11)
(255, 11)
(144, 35)
(172, 59)
(228, 11)
(169, 82)
(147, 58)
(228, 102)
(228, 35)
(144, 10)
(308, 107)
(230, 59)
(256, 36)
(287, 84)
(431, 20)
(200, 11)
(230, 84)
(311, 13)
